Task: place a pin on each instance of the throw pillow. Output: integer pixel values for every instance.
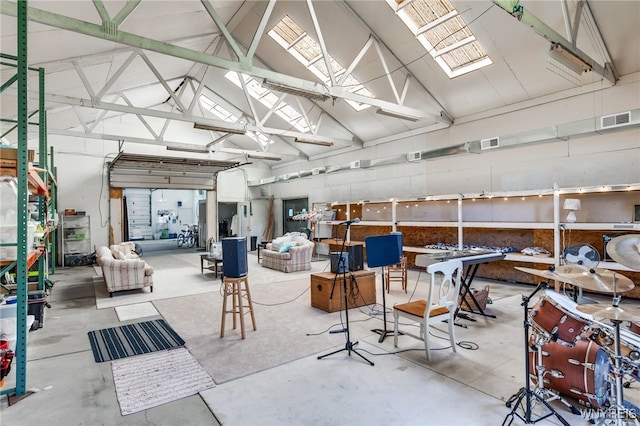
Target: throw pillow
(117, 254)
(285, 248)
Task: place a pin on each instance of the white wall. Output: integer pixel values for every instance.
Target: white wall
(611, 158)
(608, 158)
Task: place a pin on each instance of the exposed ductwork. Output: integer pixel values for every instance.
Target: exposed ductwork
(567, 131)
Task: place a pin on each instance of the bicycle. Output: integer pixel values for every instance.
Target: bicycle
(188, 236)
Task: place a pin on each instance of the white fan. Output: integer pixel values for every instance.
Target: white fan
(581, 254)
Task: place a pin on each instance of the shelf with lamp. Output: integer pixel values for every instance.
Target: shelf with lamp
(529, 218)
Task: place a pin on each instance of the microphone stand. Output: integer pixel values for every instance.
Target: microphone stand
(526, 392)
(342, 266)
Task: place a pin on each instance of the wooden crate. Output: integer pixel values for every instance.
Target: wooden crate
(322, 283)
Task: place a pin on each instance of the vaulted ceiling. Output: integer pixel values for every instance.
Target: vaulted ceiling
(133, 71)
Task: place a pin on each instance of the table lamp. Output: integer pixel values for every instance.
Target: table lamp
(571, 204)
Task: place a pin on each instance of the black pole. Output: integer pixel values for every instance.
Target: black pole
(526, 392)
(349, 346)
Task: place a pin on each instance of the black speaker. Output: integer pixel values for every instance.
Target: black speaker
(356, 257)
(234, 257)
(336, 266)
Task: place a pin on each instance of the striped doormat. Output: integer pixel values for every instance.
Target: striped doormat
(133, 339)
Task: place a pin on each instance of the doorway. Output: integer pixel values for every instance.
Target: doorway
(291, 208)
(154, 217)
(228, 223)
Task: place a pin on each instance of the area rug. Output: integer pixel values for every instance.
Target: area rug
(167, 283)
(133, 339)
(151, 380)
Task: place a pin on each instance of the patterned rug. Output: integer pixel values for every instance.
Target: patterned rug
(148, 381)
(133, 339)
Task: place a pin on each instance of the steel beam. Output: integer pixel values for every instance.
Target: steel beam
(90, 29)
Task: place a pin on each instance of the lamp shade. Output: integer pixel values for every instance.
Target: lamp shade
(571, 204)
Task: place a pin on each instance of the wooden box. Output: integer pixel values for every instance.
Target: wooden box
(9, 161)
(322, 283)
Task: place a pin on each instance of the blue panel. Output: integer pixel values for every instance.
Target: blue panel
(384, 250)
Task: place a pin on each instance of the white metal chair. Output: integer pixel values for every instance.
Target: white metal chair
(440, 306)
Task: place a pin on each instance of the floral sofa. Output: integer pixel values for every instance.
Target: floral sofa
(289, 253)
(123, 269)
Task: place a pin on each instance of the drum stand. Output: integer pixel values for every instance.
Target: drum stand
(548, 394)
(620, 411)
(526, 393)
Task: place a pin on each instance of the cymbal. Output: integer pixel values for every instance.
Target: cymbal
(595, 279)
(546, 273)
(625, 250)
(610, 312)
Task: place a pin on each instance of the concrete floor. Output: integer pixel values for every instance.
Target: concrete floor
(68, 387)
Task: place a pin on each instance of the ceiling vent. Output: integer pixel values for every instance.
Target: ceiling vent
(490, 143)
(615, 120)
(414, 156)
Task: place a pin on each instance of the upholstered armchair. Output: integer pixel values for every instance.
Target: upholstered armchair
(289, 253)
(121, 273)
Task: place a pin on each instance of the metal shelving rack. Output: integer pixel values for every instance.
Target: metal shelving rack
(42, 180)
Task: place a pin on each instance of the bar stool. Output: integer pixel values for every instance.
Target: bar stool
(236, 287)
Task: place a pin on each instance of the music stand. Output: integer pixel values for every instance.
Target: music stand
(344, 267)
(383, 250)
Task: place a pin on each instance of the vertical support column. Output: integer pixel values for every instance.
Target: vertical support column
(21, 271)
(556, 230)
(53, 206)
(394, 215)
(460, 227)
(42, 163)
(212, 216)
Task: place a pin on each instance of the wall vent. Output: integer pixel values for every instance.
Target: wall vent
(615, 120)
(357, 164)
(490, 143)
(414, 156)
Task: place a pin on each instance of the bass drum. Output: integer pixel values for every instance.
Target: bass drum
(578, 371)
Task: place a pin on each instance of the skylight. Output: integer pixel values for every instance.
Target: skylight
(288, 34)
(220, 112)
(445, 35)
(270, 100)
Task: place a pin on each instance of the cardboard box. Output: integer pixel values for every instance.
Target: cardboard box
(322, 283)
(9, 161)
(10, 156)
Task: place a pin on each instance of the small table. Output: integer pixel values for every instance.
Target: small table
(210, 259)
(261, 245)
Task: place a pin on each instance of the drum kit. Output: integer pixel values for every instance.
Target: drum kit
(573, 352)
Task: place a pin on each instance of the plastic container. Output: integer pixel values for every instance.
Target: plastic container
(9, 323)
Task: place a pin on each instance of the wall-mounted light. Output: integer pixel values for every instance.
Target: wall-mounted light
(236, 130)
(297, 91)
(397, 114)
(314, 140)
(568, 59)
